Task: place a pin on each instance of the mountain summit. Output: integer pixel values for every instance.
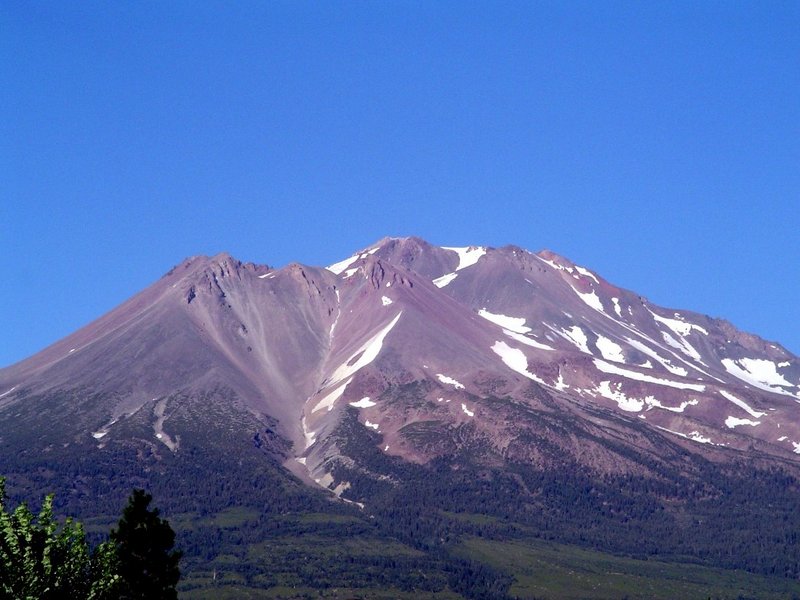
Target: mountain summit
(407, 368)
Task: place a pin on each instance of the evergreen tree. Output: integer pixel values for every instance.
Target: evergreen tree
(146, 563)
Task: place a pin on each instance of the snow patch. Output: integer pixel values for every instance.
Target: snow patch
(386, 300)
(526, 340)
(654, 403)
(764, 371)
(555, 265)
(624, 403)
(678, 325)
(695, 436)
(366, 354)
(515, 360)
(683, 346)
(732, 422)
(340, 266)
(442, 281)
(158, 426)
(559, 384)
(609, 349)
(590, 299)
(761, 374)
(617, 308)
(586, 273)
(742, 404)
(680, 371)
(615, 370)
(309, 435)
(371, 425)
(784, 364)
(329, 399)
(363, 403)
(99, 434)
(467, 411)
(467, 256)
(577, 336)
(449, 380)
(515, 324)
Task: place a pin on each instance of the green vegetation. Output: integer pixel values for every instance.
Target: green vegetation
(41, 559)
(555, 571)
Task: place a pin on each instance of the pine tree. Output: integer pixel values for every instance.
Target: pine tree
(147, 565)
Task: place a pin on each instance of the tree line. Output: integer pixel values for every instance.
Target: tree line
(42, 559)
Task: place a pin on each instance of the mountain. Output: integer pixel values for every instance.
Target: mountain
(475, 381)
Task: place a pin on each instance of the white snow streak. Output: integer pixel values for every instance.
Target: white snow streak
(467, 411)
(6, 393)
(342, 265)
(363, 403)
(742, 404)
(586, 272)
(577, 336)
(526, 340)
(513, 327)
(442, 281)
(329, 399)
(653, 354)
(449, 380)
(695, 436)
(682, 345)
(467, 256)
(617, 308)
(613, 369)
(515, 360)
(654, 403)
(368, 351)
(761, 374)
(591, 299)
(609, 349)
(732, 422)
(515, 324)
(559, 384)
(678, 325)
(625, 403)
(338, 314)
(310, 436)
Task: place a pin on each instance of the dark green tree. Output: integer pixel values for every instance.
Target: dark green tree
(145, 559)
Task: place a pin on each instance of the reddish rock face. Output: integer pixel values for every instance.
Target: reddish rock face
(435, 350)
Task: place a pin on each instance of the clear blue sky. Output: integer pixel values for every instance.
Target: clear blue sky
(657, 143)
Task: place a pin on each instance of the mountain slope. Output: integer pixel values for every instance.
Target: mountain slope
(488, 381)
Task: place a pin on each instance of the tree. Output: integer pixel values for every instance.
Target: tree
(38, 559)
(143, 542)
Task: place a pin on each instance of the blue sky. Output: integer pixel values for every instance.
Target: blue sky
(656, 143)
